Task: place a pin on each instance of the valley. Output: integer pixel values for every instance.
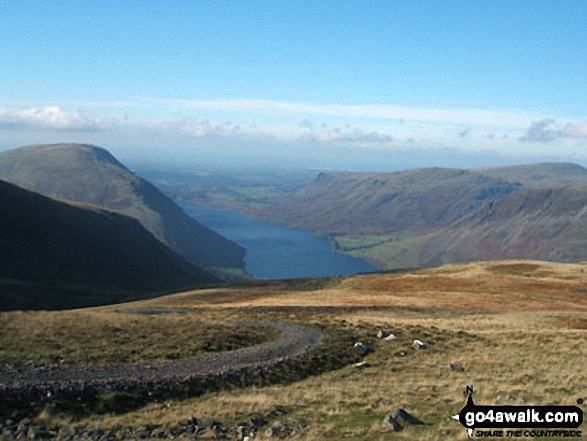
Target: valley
(424, 217)
(483, 285)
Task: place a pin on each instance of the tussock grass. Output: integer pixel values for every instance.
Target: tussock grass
(518, 330)
(84, 337)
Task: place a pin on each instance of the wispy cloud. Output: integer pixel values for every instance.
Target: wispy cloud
(575, 130)
(542, 131)
(467, 117)
(352, 136)
(50, 117)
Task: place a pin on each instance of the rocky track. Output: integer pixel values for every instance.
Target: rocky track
(295, 340)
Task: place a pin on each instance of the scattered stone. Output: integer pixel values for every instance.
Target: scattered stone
(391, 423)
(160, 432)
(276, 411)
(456, 367)
(419, 345)
(143, 432)
(39, 432)
(361, 346)
(382, 334)
(361, 365)
(257, 422)
(389, 337)
(274, 430)
(399, 418)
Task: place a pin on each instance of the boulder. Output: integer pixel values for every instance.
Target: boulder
(397, 419)
(419, 345)
(361, 346)
(382, 334)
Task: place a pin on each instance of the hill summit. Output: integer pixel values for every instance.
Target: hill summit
(89, 174)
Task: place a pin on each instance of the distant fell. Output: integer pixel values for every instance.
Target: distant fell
(539, 175)
(90, 174)
(544, 224)
(418, 200)
(59, 255)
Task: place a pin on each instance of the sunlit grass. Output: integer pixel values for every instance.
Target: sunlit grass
(517, 328)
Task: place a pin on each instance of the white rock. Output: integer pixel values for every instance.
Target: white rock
(360, 345)
(419, 345)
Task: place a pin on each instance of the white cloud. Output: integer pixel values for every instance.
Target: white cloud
(542, 131)
(575, 130)
(50, 117)
(476, 117)
(355, 136)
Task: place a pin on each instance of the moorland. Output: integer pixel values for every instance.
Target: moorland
(514, 330)
(498, 301)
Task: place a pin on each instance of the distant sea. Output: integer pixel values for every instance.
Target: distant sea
(275, 252)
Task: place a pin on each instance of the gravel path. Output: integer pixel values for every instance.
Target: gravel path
(295, 340)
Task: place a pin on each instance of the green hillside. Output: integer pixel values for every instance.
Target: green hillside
(57, 255)
(90, 174)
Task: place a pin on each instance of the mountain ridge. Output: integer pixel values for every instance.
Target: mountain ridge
(56, 255)
(89, 174)
(432, 216)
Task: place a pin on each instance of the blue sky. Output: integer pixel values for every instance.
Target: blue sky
(365, 84)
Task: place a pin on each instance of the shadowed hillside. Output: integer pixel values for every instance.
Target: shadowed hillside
(549, 224)
(90, 174)
(381, 203)
(433, 216)
(56, 255)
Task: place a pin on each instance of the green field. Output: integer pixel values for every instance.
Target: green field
(385, 251)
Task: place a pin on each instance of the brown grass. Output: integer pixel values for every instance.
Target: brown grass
(91, 337)
(519, 329)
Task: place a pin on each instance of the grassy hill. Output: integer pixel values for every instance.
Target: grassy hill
(432, 216)
(386, 203)
(541, 175)
(547, 224)
(89, 174)
(56, 255)
(515, 330)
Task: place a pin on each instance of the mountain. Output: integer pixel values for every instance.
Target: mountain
(540, 175)
(542, 224)
(89, 174)
(386, 203)
(432, 216)
(57, 255)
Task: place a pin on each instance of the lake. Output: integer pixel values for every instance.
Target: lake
(275, 252)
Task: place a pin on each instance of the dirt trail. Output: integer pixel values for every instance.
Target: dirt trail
(295, 340)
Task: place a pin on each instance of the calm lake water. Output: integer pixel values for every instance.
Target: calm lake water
(275, 252)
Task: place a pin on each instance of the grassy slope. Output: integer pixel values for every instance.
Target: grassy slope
(539, 176)
(58, 255)
(91, 175)
(386, 203)
(548, 224)
(517, 327)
